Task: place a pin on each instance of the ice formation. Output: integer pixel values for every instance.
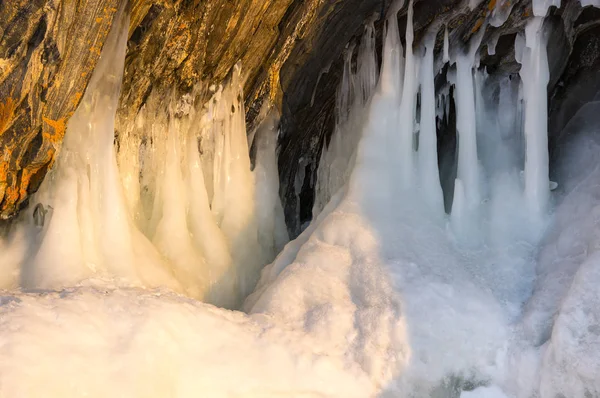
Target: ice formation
(164, 215)
(534, 75)
(383, 294)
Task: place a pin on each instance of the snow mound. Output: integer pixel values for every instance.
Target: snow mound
(110, 342)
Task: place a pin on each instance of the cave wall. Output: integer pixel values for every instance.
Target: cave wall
(291, 54)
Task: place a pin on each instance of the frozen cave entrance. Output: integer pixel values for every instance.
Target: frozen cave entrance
(158, 263)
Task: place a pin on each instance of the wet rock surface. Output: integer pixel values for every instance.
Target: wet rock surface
(291, 54)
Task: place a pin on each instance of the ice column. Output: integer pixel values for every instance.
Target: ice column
(468, 164)
(367, 69)
(446, 56)
(354, 93)
(406, 113)
(429, 176)
(392, 69)
(535, 75)
(272, 232)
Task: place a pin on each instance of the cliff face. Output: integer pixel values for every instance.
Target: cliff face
(48, 49)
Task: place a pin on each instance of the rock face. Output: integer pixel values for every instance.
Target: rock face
(290, 51)
(48, 50)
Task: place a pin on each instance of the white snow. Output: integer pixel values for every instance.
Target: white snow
(110, 342)
(446, 51)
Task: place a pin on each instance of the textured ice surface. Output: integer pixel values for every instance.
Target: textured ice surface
(176, 206)
(383, 294)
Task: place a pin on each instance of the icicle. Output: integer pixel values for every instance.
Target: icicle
(322, 193)
(355, 91)
(429, 176)
(172, 236)
(491, 44)
(390, 82)
(206, 235)
(406, 114)
(367, 70)
(128, 160)
(540, 7)
(474, 3)
(468, 164)
(535, 75)
(501, 12)
(446, 56)
(344, 99)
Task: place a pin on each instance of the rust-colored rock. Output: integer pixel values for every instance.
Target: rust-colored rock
(48, 50)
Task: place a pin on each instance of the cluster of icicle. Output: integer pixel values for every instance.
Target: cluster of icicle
(180, 208)
(495, 117)
(355, 90)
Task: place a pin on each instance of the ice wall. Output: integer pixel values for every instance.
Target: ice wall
(174, 205)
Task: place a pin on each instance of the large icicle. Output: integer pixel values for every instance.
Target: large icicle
(392, 69)
(468, 163)
(446, 53)
(535, 75)
(429, 176)
(90, 232)
(406, 114)
(467, 196)
(355, 91)
(367, 69)
(272, 232)
(172, 236)
(188, 219)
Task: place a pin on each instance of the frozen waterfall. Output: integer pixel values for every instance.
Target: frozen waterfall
(120, 277)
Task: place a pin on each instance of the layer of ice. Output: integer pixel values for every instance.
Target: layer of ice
(180, 209)
(382, 295)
